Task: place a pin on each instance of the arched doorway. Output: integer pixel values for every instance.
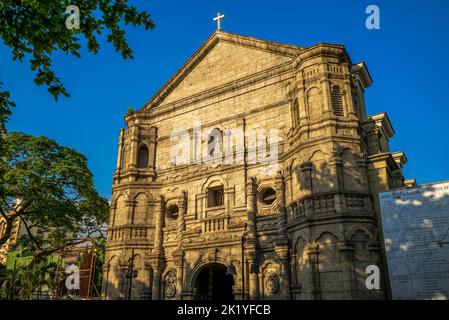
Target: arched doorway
(212, 283)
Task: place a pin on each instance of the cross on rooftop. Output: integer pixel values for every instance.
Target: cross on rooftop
(218, 19)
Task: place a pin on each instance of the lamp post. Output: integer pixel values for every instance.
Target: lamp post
(131, 274)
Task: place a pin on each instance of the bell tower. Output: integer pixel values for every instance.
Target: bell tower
(135, 213)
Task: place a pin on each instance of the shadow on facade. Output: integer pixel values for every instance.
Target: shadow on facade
(327, 256)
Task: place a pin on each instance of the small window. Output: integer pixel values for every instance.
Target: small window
(215, 197)
(211, 146)
(268, 196)
(214, 143)
(296, 112)
(173, 212)
(142, 158)
(337, 101)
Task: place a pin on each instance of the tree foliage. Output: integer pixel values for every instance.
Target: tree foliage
(28, 281)
(35, 29)
(50, 187)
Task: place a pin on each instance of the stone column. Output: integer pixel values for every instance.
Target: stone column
(152, 149)
(158, 248)
(285, 276)
(112, 217)
(312, 253)
(230, 199)
(178, 259)
(182, 205)
(337, 171)
(105, 283)
(253, 281)
(120, 151)
(251, 240)
(251, 210)
(281, 247)
(326, 90)
(148, 280)
(158, 235)
(134, 139)
(155, 291)
(201, 205)
(347, 252)
(123, 283)
(281, 210)
(129, 204)
(347, 97)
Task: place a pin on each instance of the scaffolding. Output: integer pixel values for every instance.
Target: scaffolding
(85, 258)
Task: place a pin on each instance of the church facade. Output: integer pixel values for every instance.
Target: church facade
(252, 174)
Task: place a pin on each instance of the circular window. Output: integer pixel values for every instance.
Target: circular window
(268, 196)
(173, 211)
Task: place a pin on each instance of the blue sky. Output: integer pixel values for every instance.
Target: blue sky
(408, 59)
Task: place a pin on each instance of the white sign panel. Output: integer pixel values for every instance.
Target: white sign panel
(416, 231)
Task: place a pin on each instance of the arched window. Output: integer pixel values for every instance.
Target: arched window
(211, 145)
(140, 209)
(142, 157)
(125, 155)
(296, 112)
(214, 143)
(337, 101)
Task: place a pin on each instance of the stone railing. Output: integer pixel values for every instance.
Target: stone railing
(266, 223)
(323, 204)
(126, 232)
(357, 201)
(215, 224)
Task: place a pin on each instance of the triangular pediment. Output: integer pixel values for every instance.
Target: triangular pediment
(223, 59)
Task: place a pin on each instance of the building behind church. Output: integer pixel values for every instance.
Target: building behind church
(307, 226)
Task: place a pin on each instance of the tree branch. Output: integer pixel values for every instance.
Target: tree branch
(47, 252)
(30, 235)
(9, 220)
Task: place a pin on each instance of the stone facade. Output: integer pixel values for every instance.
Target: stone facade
(311, 227)
(15, 233)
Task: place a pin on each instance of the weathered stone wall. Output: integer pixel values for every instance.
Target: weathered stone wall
(317, 234)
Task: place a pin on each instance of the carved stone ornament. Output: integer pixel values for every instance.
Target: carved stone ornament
(271, 284)
(271, 281)
(170, 287)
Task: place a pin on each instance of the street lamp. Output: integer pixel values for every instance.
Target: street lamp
(131, 274)
(231, 270)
